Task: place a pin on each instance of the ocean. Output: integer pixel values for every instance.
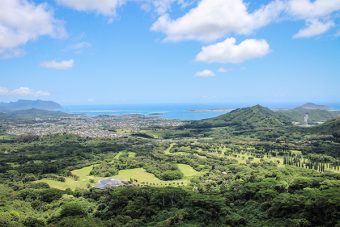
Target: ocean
(170, 111)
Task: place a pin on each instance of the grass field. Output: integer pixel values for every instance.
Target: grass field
(167, 151)
(139, 174)
(145, 178)
(84, 180)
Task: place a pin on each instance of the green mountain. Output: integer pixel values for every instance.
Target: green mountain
(29, 104)
(32, 114)
(250, 118)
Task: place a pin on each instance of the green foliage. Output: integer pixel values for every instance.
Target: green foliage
(225, 180)
(73, 209)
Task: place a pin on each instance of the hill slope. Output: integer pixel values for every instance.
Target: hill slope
(331, 127)
(251, 118)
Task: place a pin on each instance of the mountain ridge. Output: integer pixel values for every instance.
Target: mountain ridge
(22, 104)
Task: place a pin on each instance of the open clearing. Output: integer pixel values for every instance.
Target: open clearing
(139, 175)
(83, 181)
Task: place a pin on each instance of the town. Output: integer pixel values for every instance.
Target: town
(92, 127)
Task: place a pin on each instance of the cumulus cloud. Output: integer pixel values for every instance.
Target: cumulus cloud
(210, 20)
(22, 21)
(103, 7)
(317, 14)
(59, 65)
(228, 51)
(22, 92)
(307, 9)
(213, 19)
(205, 73)
(314, 28)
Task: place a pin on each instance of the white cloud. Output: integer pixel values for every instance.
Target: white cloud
(22, 92)
(80, 45)
(60, 65)
(210, 20)
(103, 7)
(228, 51)
(22, 21)
(205, 73)
(306, 9)
(317, 14)
(314, 28)
(213, 19)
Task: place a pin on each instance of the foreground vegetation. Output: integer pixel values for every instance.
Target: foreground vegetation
(207, 173)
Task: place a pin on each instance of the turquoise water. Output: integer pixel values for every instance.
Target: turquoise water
(181, 112)
(167, 111)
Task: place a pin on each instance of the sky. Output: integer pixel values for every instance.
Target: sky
(170, 51)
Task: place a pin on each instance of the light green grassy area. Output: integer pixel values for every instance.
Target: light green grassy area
(6, 137)
(84, 180)
(143, 178)
(296, 152)
(167, 151)
(120, 153)
(188, 171)
(124, 132)
(151, 133)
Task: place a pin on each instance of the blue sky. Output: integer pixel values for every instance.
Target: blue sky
(170, 51)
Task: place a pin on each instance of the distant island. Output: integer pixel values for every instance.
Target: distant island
(214, 110)
(312, 106)
(29, 104)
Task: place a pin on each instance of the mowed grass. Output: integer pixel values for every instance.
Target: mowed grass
(83, 181)
(139, 174)
(187, 170)
(145, 178)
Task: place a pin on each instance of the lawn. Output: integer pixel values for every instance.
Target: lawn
(145, 178)
(83, 182)
(139, 174)
(187, 170)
